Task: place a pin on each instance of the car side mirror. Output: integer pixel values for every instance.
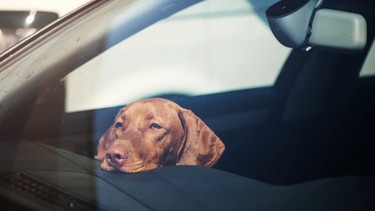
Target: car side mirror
(299, 23)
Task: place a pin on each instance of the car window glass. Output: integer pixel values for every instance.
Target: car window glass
(213, 46)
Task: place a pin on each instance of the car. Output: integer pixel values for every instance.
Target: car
(297, 123)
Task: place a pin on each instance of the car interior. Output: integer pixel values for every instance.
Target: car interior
(305, 143)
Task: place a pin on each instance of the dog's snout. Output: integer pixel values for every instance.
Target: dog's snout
(116, 155)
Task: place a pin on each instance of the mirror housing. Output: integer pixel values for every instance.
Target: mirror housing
(333, 29)
(299, 23)
(289, 21)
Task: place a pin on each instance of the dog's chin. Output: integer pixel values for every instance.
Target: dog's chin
(104, 165)
(135, 167)
(132, 168)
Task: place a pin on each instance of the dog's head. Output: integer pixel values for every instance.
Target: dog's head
(157, 132)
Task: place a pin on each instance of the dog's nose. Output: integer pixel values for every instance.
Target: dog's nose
(116, 155)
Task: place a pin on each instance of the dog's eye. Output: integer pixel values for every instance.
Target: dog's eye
(118, 125)
(155, 126)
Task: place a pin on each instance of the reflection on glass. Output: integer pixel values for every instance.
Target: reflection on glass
(9, 37)
(16, 25)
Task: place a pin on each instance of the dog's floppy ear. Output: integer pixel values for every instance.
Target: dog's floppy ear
(201, 146)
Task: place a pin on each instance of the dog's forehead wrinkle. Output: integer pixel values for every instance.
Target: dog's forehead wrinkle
(149, 116)
(123, 117)
(143, 111)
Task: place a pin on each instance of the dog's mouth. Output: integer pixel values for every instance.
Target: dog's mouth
(134, 167)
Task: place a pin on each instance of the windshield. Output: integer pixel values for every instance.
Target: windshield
(268, 103)
(185, 104)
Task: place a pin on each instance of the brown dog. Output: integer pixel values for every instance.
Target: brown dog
(157, 132)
